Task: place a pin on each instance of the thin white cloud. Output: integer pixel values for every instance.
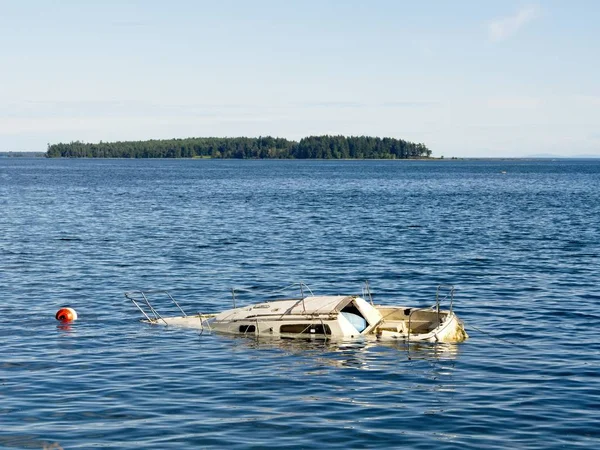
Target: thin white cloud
(370, 105)
(102, 124)
(589, 100)
(505, 27)
(514, 102)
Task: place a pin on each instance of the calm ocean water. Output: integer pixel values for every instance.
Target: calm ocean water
(521, 247)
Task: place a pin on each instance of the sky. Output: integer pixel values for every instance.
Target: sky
(467, 78)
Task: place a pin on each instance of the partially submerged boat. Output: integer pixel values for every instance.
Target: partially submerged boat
(319, 316)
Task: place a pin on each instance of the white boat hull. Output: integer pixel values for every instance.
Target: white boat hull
(328, 317)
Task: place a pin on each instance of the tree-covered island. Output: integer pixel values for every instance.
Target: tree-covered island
(313, 147)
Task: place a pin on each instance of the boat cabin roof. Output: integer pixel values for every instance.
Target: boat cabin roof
(322, 304)
(312, 306)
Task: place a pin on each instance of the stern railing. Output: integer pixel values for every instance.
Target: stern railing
(436, 307)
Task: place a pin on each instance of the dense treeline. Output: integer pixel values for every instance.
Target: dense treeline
(313, 147)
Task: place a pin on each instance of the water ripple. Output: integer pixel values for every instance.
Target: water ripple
(522, 249)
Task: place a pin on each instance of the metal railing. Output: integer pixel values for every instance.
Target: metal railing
(435, 307)
(140, 300)
(301, 285)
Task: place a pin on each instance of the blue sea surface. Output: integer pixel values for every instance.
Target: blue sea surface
(520, 240)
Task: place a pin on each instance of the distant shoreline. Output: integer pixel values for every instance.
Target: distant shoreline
(22, 154)
(263, 147)
(27, 154)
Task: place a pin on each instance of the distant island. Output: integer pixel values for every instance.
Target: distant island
(313, 147)
(22, 154)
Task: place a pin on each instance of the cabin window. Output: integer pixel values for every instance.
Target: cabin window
(305, 328)
(354, 316)
(247, 328)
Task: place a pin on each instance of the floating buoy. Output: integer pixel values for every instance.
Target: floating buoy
(66, 314)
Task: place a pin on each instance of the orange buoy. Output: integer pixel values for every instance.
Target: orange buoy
(66, 314)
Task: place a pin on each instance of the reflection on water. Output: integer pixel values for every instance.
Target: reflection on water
(355, 353)
(28, 441)
(67, 328)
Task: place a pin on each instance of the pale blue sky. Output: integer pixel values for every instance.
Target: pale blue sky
(467, 78)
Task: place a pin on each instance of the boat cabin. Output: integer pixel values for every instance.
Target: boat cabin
(340, 316)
